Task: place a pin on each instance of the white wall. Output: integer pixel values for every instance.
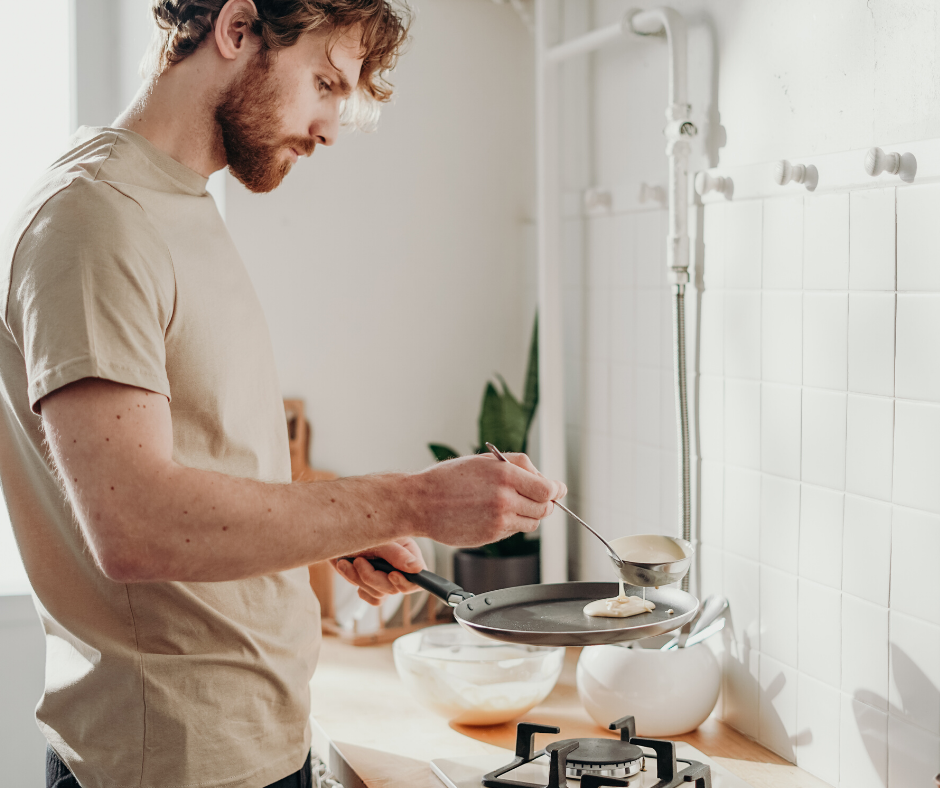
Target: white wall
(817, 489)
(393, 267)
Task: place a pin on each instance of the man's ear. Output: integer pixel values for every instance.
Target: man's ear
(232, 30)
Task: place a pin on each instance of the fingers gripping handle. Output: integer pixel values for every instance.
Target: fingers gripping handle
(443, 589)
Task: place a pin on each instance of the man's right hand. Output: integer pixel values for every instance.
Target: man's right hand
(477, 500)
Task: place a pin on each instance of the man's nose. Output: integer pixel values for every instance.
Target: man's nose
(326, 128)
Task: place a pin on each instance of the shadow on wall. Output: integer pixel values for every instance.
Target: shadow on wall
(919, 699)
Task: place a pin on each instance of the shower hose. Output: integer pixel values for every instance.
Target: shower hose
(682, 419)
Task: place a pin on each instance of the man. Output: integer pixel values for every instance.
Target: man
(165, 546)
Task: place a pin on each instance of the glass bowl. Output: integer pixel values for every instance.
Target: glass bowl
(472, 680)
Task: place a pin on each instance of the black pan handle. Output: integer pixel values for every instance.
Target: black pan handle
(443, 589)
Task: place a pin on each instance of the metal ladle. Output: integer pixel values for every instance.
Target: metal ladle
(637, 573)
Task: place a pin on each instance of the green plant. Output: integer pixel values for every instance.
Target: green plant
(505, 421)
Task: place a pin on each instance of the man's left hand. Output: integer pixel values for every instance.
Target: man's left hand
(374, 586)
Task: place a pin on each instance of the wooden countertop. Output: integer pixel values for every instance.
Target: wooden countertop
(386, 739)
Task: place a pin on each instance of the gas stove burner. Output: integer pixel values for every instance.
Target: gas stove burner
(600, 762)
(603, 757)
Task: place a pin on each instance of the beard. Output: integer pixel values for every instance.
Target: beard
(248, 115)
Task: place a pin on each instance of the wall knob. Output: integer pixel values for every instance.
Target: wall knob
(656, 194)
(598, 200)
(877, 162)
(705, 182)
(784, 173)
(904, 165)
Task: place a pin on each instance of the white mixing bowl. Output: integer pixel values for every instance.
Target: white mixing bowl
(473, 680)
(668, 692)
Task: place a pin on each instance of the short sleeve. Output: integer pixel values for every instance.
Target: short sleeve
(92, 293)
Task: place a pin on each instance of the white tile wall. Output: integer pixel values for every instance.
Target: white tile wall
(863, 746)
(783, 243)
(742, 245)
(781, 337)
(819, 632)
(825, 340)
(871, 343)
(917, 375)
(918, 234)
(917, 455)
(826, 242)
(872, 240)
(834, 657)
(712, 486)
(824, 415)
(779, 523)
(915, 555)
(818, 713)
(778, 615)
(869, 446)
(865, 651)
(742, 423)
(780, 430)
(913, 754)
(821, 512)
(818, 455)
(777, 707)
(742, 512)
(914, 692)
(866, 549)
(742, 334)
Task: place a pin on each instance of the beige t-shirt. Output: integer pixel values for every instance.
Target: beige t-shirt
(118, 266)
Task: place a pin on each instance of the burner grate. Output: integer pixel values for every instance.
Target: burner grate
(601, 762)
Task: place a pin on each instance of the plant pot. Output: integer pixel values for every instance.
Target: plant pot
(478, 572)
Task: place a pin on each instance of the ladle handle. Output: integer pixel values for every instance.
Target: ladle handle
(610, 549)
(499, 455)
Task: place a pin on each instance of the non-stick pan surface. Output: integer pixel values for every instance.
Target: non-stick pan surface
(553, 614)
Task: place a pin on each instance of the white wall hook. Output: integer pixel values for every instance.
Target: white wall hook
(901, 164)
(598, 200)
(784, 173)
(656, 194)
(705, 182)
(877, 162)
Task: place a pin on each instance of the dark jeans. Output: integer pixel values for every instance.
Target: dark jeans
(59, 776)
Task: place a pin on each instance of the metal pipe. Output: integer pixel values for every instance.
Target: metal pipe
(588, 42)
(551, 420)
(679, 129)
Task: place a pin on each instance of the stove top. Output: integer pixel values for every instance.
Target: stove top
(589, 763)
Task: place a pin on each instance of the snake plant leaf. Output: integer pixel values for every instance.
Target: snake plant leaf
(442, 452)
(502, 420)
(531, 394)
(531, 397)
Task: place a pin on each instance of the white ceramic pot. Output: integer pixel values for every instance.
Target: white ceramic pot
(668, 692)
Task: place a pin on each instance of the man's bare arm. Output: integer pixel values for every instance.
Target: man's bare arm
(147, 518)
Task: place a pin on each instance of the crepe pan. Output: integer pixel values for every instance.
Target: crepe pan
(553, 614)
